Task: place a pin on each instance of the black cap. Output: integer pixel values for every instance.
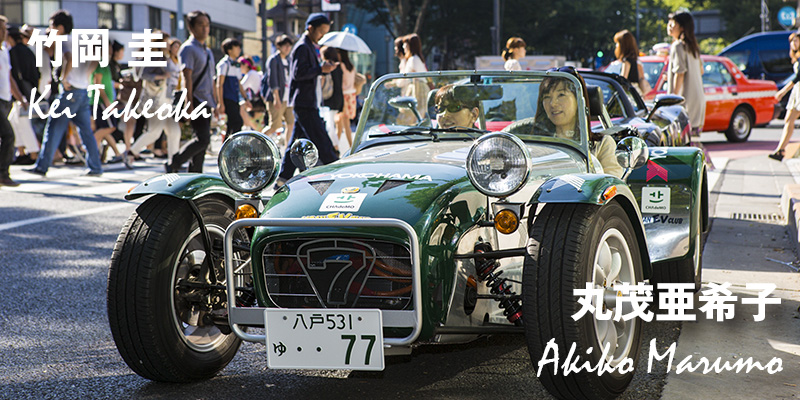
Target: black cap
(13, 30)
(317, 19)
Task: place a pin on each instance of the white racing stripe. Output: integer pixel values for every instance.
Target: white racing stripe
(742, 95)
(17, 224)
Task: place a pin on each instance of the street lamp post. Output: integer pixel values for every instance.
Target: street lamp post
(637, 21)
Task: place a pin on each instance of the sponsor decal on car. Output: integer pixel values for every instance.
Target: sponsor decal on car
(336, 215)
(379, 175)
(655, 170)
(343, 202)
(655, 200)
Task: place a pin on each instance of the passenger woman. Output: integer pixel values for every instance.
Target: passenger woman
(557, 115)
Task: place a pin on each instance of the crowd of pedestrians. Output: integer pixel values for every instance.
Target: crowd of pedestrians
(282, 102)
(297, 80)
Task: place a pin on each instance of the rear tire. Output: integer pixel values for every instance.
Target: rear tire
(159, 329)
(740, 126)
(569, 245)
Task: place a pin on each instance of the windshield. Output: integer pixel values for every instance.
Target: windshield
(460, 105)
(652, 70)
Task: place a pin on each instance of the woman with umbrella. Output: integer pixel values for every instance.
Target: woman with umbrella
(349, 92)
(346, 42)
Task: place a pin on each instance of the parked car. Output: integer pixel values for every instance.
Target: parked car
(785, 99)
(763, 55)
(423, 234)
(734, 103)
(658, 126)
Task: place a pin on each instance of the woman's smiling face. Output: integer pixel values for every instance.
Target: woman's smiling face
(561, 107)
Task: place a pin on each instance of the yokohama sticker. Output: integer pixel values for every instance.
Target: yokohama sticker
(655, 200)
(350, 202)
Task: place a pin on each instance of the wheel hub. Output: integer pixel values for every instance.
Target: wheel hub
(191, 301)
(612, 266)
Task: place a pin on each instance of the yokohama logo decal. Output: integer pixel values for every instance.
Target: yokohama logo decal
(655, 170)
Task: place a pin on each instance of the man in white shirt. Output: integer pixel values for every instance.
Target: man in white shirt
(7, 88)
(74, 96)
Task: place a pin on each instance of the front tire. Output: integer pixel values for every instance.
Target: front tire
(570, 245)
(740, 126)
(159, 328)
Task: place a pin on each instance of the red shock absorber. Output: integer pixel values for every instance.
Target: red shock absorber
(509, 301)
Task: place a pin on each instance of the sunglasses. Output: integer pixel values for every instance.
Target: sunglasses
(568, 69)
(451, 108)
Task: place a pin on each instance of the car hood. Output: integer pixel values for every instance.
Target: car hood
(402, 181)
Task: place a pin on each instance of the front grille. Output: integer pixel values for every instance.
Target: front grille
(338, 273)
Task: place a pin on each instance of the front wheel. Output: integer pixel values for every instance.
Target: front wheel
(740, 126)
(159, 300)
(570, 245)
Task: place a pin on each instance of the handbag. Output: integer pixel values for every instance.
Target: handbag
(327, 86)
(359, 81)
(23, 130)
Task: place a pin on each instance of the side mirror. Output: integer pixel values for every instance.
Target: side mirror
(304, 154)
(632, 153)
(407, 103)
(664, 100)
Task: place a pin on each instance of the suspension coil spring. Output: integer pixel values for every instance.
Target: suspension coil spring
(510, 301)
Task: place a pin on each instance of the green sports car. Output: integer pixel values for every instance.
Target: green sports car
(471, 203)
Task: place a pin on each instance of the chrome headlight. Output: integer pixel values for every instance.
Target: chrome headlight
(498, 164)
(249, 161)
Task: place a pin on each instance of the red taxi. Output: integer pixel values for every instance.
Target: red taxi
(734, 103)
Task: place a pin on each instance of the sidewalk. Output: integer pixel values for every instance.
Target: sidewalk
(748, 228)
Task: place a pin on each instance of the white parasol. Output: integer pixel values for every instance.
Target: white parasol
(345, 41)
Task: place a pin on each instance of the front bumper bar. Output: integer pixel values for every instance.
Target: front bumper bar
(254, 316)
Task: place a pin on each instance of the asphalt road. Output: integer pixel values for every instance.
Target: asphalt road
(56, 237)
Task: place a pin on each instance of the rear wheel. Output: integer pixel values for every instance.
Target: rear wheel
(570, 245)
(740, 126)
(158, 310)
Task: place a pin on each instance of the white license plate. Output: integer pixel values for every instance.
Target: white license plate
(324, 339)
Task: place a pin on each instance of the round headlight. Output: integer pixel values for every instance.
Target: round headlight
(498, 164)
(249, 161)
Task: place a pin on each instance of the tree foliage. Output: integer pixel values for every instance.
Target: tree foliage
(459, 30)
(400, 17)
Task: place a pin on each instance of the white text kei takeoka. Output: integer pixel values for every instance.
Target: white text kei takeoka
(178, 111)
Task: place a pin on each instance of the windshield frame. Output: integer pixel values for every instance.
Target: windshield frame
(360, 142)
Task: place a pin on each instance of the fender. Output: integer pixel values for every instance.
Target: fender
(595, 189)
(681, 172)
(183, 186)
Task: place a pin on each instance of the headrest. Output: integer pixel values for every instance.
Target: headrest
(595, 100)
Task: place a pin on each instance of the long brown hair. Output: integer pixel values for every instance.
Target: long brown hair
(686, 22)
(794, 54)
(627, 48)
(512, 43)
(398, 47)
(414, 45)
(344, 57)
